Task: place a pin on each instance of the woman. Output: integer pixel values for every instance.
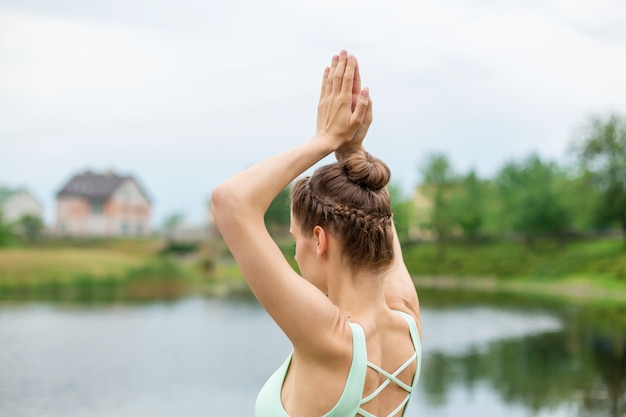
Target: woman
(353, 314)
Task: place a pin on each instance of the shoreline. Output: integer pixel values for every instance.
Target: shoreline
(580, 291)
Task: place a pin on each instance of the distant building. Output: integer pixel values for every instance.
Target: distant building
(420, 228)
(185, 232)
(18, 202)
(102, 205)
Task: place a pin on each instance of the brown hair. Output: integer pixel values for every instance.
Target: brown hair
(350, 199)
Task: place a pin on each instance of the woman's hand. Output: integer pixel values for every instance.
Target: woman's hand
(356, 143)
(343, 105)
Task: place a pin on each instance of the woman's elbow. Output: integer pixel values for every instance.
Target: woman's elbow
(222, 204)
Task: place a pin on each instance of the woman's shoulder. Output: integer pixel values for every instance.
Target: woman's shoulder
(336, 344)
(401, 295)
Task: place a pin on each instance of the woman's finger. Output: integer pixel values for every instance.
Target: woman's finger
(369, 116)
(339, 72)
(356, 84)
(324, 82)
(348, 76)
(331, 72)
(360, 110)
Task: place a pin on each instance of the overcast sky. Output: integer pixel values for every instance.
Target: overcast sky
(181, 94)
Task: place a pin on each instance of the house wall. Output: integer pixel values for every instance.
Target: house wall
(126, 213)
(19, 204)
(73, 217)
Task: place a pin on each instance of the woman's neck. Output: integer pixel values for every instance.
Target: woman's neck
(357, 293)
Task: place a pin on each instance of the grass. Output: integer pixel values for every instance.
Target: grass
(587, 269)
(576, 290)
(225, 280)
(584, 270)
(93, 269)
(592, 259)
(35, 264)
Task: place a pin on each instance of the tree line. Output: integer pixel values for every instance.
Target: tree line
(532, 197)
(27, 228)
(528, 198)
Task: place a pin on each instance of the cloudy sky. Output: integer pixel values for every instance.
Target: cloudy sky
(182, 94)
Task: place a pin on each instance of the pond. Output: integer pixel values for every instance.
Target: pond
(483, 356)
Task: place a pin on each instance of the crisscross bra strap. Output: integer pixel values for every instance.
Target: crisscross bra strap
(394, 376)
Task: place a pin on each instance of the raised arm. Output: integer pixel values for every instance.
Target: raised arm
(400, 292)
(399, 289)
(239, 204)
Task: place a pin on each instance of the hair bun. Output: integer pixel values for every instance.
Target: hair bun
(366, 170)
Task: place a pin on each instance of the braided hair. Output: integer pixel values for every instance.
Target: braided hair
(350, 199)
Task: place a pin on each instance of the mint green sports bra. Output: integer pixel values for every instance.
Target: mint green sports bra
(269, 404)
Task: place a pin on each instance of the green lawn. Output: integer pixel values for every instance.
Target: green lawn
(62, 264)
(586, 269)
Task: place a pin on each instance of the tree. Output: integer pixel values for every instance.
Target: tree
(601, 152)
(402, 209)
(7, 238)
(468, 205)
(30, 227)
(583, 200)
(438, 178)
(277, 216)
(531, 197)
(171, 222)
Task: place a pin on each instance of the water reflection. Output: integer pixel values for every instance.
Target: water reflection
(199, 357)
(188, 358)
(571, 362)
(455, 330)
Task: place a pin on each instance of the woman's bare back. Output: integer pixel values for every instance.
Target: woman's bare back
(314, 387)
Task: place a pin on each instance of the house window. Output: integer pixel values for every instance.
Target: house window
(124, 228)
(139, 229)
(96, 207)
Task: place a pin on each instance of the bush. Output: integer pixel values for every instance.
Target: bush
(7, 238)
(506, 259)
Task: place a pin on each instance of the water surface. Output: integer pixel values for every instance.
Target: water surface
(209, 357)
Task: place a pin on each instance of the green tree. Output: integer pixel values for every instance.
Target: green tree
(583, 201)
(601, 151)
(438, 179)
(531, 196)
(30, 227)
(402, 208)
(171, 222)
(277, 216)
(468, 205)
(7, 238)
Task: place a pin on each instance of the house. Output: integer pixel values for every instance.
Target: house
(102, 205)
(18, 202)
